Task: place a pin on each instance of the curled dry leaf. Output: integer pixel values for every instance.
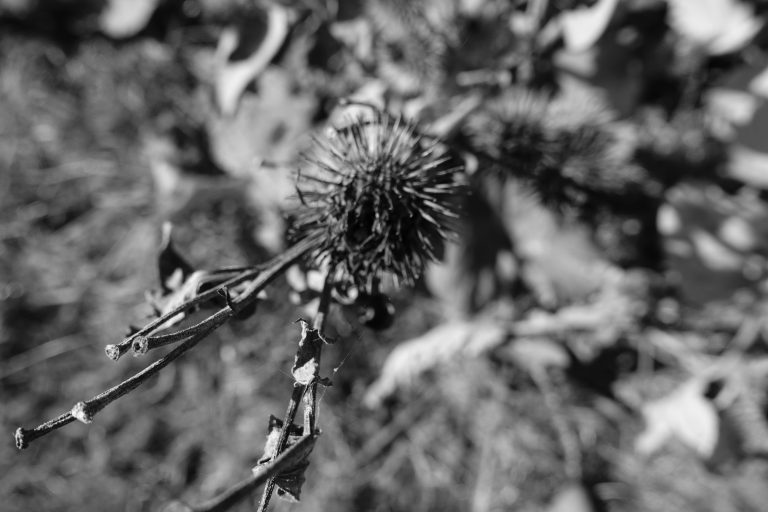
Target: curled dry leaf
(295, 456)
(235, 75)
(306, 366)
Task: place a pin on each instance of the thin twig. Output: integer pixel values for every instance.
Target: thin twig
(117, 350)
(85, 411)
(261, 275)
(143, 344)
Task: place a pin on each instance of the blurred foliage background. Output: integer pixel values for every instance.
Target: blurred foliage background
(594, 340)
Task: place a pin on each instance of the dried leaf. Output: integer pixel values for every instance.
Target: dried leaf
(306, 366)
(295, 457)
(267, 126)
(235, 75)
(582, 27)
(165, 302)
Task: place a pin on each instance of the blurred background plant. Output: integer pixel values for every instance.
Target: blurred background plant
(593, 339)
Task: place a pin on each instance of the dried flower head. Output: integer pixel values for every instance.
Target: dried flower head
(378, 199)
(566, 147)
(515, 129)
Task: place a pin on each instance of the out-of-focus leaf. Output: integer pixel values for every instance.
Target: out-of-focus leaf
(719, 26)
(686, 415)
(356, 34)
(477, 268)
(537, 354)
(759, 84)
(734, 106)
(176, 191)
(738, 233)
(714, 253)
(582, 27)
(439, 347)
(236, 72)
(562, 263)
(125, 18)
(714, 242)
(306, 366)
(571, 498)
(749, 166)
(267, 126)
(743, 431)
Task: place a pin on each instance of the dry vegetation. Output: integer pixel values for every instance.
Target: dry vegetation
(593, 338)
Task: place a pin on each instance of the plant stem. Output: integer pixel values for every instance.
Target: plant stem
(85, 411)
(117, 350)
(308, 392)
(260, 275)
(144, 344)
(241, 490)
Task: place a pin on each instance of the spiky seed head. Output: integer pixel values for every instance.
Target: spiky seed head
(515, 129)
(377, 198)
(566, 147)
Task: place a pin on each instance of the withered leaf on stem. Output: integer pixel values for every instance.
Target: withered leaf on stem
(289, 481)
(306, 366)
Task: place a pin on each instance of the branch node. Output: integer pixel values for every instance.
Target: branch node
(140, 345)
(82, 412)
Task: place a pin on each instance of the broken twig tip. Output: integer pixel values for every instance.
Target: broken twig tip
(113, 352)
(21, 438)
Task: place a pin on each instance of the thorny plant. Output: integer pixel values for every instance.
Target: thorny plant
(377, 199)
